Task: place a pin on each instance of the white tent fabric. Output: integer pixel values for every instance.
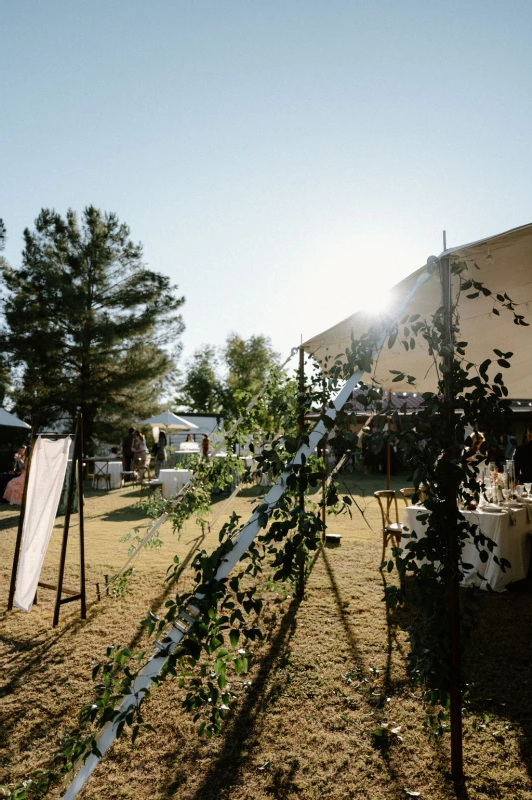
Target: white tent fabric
(6, 418)
(167, 419)
(504, 265)
(45, 481)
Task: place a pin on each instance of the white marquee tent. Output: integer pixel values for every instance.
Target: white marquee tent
(504, 265)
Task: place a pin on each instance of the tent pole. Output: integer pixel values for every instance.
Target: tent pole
(457, 763)
(388, 447)
(324, 478)
(301, 426)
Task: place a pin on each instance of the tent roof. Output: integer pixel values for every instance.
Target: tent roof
(167, 419)
(504, 265)
(11, 420)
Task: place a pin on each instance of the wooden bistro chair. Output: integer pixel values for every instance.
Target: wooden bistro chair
(409, 493)
(101, 473)
(391, 529)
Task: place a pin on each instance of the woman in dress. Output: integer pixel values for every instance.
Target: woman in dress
(140, 451)
(15, 489)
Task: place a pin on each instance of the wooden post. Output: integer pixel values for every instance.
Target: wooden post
(18, 541)
(324, 478)
(388, 447)
(81, 500)
(457, 761)
(301, 424)
(66, 527)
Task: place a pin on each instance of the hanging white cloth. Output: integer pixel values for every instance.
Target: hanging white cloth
(47, 473)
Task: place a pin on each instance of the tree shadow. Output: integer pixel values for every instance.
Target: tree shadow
(342, 611)
(7, 522)
(244, 729)
(498, 657)
(170, 585)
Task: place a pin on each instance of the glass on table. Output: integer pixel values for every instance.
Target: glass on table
(528, 486)
(506, 494)
(519, 489)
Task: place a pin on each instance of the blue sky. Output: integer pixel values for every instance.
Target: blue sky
(283, 162)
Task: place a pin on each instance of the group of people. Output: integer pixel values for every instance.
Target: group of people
(12, 482)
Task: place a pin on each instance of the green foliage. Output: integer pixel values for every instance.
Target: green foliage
(225, 384)
(86, 322)
(202, 390)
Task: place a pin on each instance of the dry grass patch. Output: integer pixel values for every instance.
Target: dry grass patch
(329, 670)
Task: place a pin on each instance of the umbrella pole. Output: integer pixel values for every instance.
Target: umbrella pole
(455, 691)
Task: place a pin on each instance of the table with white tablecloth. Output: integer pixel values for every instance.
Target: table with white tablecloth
(173, 480)
(512, 540)
(113, 468)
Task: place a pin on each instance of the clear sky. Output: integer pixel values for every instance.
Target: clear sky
(281, 161)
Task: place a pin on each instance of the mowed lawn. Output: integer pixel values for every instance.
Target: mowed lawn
(329, 671)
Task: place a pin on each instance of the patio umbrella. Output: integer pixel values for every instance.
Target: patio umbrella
(11, 420)
(169, 420)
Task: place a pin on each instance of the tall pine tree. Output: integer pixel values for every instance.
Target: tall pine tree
(85, 324)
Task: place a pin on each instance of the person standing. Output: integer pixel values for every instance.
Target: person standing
(127, 449)
(159, 451)
(523, 459)
(140, 452)
(205, 446)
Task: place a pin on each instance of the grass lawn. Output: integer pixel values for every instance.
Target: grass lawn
(330, 669)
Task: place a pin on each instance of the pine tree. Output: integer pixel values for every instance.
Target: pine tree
(86, 323)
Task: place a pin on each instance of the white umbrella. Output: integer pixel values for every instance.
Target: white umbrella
(169, 420)
(11, 420)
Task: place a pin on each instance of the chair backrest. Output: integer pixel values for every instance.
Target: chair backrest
(101, 469)
(387, 500)
(407, 494)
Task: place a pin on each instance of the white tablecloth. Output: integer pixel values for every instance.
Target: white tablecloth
(114, 468)
(513, 543)
(173, 479)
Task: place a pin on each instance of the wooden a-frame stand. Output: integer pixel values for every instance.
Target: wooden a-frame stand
(76, 473)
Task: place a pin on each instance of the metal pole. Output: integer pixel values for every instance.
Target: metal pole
(457, 761)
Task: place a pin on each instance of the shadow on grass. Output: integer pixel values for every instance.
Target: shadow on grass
(47, 676)
(170, 586)
(498, 659)
(224, 771)
(10, 521)
(344, 614)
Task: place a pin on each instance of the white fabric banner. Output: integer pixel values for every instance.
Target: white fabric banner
(47, 473)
